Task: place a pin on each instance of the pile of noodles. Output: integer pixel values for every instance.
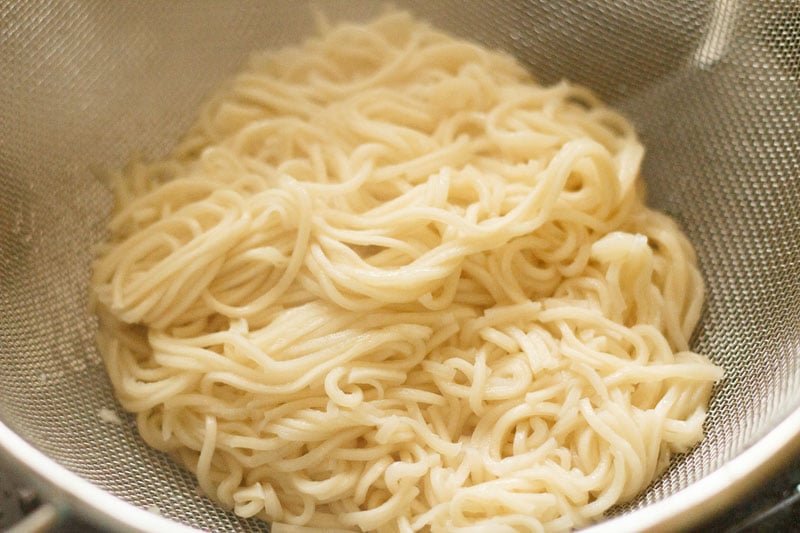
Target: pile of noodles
(388, 282)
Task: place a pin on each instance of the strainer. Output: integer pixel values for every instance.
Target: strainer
(712, 86)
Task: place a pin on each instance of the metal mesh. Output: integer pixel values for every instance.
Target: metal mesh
(713, 87)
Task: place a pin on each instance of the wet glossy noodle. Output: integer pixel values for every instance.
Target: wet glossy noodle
(389, 282)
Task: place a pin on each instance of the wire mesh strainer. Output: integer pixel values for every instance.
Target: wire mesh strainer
(712, 86)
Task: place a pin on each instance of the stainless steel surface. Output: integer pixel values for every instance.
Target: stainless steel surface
(713, 87)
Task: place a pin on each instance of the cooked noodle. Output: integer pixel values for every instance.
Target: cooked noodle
(389, 282)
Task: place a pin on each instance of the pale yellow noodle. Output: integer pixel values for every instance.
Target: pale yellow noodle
(388, 282)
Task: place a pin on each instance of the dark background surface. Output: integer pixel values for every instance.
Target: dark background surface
(774, 506)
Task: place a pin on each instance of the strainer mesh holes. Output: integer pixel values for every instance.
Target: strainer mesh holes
(713, 87)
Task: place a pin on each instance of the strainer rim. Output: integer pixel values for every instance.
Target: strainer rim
(705, 498)
(73, 494)
(698, 501)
